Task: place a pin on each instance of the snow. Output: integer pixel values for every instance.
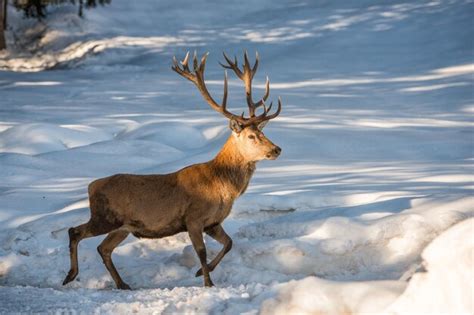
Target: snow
(367, 210)
(445, 287)
(317, 296)
(438, 291)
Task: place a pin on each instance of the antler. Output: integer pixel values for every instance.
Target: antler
(197, 77)
(247, 75)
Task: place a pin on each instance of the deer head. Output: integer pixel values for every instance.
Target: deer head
(247, 131)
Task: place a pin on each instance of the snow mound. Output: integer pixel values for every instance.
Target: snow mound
(345, 248)
(36, 138)
(446, 286)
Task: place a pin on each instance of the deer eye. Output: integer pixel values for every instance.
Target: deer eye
(252, 137)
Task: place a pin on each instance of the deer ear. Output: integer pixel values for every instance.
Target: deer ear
(235, 126)
(262, 125)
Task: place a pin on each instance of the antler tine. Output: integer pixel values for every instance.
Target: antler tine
(202, 65)
(247, 78)
(184, 63)
(253, 70)
(175, 62)
(246, 63)
(186, 58)
(195, 61)
(266, 95)
(255, 66)
(275, 114)
(267, 110)
(185, 70)
(229, 62)
(224, 97)
(232, 65)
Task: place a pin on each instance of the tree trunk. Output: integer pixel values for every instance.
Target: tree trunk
(81, 5)
(3, 23)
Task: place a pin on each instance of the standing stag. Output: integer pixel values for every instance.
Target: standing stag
(196, 198)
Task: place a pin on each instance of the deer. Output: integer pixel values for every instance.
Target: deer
(195, 199)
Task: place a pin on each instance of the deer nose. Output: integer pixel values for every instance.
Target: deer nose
(277, 150)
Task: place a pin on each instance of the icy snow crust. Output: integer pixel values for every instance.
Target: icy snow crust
(376, 132)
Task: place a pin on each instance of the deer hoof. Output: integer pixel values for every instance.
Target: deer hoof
(208, 283)
(199, 272)
(70, 276)
(123, 286)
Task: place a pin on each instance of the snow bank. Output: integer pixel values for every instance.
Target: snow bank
(38, 138)
(347, 243)
(445, 287)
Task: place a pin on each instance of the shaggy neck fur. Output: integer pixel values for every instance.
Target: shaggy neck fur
(232, 167)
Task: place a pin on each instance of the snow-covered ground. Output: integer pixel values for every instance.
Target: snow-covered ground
(377, 140)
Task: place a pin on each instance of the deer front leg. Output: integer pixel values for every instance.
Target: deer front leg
(218, 233)
(195, 233)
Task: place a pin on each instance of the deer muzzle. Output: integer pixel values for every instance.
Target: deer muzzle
(274, 153)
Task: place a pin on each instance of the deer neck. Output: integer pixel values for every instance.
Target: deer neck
(232, 168)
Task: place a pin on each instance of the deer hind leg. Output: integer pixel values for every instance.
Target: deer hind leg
(95, 226)
(218, 233)
(76, 234)
(105, 250)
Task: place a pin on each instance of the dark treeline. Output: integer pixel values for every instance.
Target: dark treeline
(38, 9)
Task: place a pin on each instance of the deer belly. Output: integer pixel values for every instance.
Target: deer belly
(141, 230)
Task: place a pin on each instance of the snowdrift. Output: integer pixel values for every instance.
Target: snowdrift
(444, 285)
